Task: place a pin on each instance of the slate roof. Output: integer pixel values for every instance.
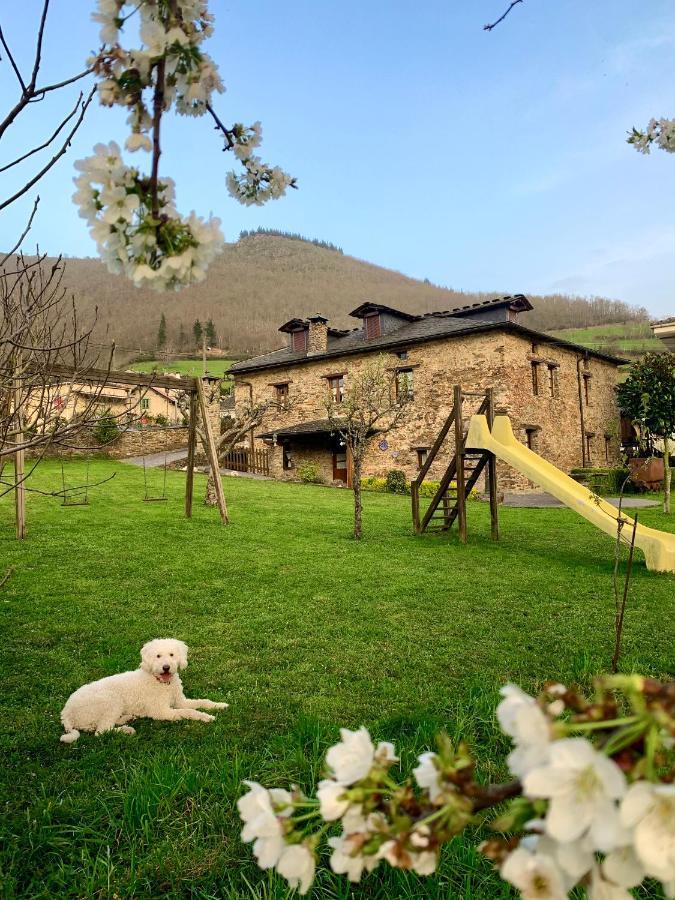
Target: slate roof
(429, 327)
(319, 426)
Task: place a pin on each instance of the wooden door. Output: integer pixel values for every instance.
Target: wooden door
(340, 465)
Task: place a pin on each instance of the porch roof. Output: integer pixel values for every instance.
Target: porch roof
(319, 426)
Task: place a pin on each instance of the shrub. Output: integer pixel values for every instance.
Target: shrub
(309, 472)
(397, 483)
(601, 481)
(161, 420)
(372, 483)
(106, 429)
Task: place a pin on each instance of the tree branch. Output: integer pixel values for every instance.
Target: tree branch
(63, 124)
(12, 62)
(25, 232)
(502, 17)
(55, 158)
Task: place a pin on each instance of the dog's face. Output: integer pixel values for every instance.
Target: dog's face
(163, 657)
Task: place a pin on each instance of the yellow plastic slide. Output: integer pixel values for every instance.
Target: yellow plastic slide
(657, 546)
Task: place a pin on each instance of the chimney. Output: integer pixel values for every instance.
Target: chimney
(318, 335)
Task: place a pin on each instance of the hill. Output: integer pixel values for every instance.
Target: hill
(264, 279)
(629, 339)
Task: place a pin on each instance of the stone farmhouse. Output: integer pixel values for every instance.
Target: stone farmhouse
(560, 396)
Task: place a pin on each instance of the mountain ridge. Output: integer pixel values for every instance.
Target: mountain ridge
(263, 280)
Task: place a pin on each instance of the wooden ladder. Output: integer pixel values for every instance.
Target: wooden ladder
(460, 477)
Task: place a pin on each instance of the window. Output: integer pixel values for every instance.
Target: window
(535, 379)
(336, 386)
(373, 329)
(404, 384)
(403, 354)
(422, 456)
(531, 436)
(608, 447)
(589, 448)
(287, 458)
(300, 340)
(281, 394)
(145, 403)
(551, 380)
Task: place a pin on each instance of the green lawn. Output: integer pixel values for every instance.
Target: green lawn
(302, 630)
(184, 366)
(632, 338)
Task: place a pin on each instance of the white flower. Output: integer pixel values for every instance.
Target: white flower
(329, 794)
(536, 875)
(602, 889)
(351, 759)
(427, 775)
(623, 867)
(347, 859)
(261, 823)
(521, 718)
(138, 141)
(582, 786)
(296, 864)
(650, 810)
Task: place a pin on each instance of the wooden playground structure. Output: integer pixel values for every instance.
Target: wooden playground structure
(461, 475)
(193, 387)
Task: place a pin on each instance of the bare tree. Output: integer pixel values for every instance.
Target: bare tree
(375, 401)
(39, 326)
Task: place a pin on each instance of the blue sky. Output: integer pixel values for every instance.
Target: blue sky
(492, 161)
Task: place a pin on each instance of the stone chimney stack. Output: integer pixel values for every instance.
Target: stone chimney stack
(317, 341)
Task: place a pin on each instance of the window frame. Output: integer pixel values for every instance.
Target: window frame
(408, 372)
(422, 457)
(336, 387)
(535, 378)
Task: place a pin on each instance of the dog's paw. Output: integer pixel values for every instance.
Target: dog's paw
(221, 705)
(127, 729)
(205, 717)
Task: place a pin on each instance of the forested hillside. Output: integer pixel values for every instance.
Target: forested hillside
(264, 279)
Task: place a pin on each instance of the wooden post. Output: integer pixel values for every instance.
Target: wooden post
(204, 353)
(492, 470)
(19, 459)
(415, 499)
(459, 455)
(192, 446)
(212, 453)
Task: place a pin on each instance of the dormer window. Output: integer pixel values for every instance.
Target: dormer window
(372, 325)
(299, 339)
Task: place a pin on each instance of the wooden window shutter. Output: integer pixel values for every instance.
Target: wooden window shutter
(373, 327)
(299, 341)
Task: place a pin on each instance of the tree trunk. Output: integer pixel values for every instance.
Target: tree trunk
(666, 474)
(356, 487)
(210, 497)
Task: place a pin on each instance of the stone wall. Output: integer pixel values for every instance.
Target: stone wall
(146, 441)
(500, 360)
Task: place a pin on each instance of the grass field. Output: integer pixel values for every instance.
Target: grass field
(631, 338)
(184, 366)
(301, 630)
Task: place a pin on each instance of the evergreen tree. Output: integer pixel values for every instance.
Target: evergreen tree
(182, 339)
(210, 333)
(161, 332)
(197, 332)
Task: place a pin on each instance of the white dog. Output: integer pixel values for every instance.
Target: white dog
(154, 690)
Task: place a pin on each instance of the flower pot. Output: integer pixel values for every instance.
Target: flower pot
(648, 470)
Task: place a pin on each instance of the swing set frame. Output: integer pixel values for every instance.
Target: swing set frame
(192, 386)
